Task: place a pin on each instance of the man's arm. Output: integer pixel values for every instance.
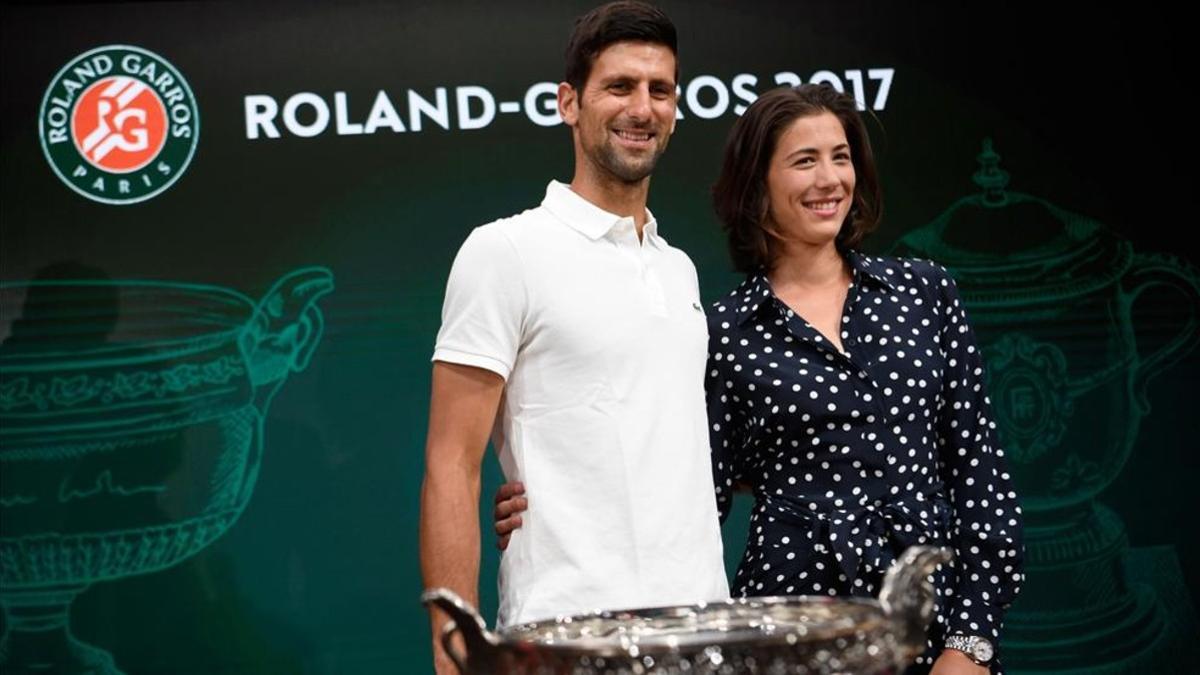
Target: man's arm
(462, 410)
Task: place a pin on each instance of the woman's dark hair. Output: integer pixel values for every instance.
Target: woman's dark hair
(624, 20)
(740, 193)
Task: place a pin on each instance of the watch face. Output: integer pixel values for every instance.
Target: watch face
(982, 650)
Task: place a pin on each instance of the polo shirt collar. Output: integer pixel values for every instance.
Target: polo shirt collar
(590, 220)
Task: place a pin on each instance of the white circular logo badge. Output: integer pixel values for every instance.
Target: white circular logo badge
(119, 124)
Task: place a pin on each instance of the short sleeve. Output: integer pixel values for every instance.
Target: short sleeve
(485, 306)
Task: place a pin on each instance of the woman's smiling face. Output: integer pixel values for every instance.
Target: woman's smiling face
(810, 180)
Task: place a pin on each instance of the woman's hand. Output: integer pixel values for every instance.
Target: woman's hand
(510, 502)
(954, 662)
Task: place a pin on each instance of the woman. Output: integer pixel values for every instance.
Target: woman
(846, 391)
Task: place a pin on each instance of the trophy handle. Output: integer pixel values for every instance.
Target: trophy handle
(285, 329)
(448, 631)
(464, 620)
(1149, 272)
(908, 597)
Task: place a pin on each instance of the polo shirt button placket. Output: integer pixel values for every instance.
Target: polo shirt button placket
(654, 289)
(643, 251)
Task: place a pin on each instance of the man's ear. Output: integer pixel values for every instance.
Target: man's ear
(568, 103)
(677, 115)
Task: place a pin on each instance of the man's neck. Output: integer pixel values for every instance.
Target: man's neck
(615, 196)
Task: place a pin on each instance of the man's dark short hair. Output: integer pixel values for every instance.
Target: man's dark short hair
(740, 193)
(621, 21)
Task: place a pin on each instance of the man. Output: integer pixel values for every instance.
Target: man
(573, 333)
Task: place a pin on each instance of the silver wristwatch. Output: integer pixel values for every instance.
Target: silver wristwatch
(976, 648)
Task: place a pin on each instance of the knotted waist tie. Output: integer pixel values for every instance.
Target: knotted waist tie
(884, 530)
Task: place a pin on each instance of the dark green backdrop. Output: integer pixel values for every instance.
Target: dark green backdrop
(320, 572)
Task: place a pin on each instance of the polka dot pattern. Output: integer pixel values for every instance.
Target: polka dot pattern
(854, 456)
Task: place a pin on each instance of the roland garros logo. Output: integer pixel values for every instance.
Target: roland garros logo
(119, 124)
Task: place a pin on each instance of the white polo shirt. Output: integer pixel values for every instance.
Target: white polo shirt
(602, 341)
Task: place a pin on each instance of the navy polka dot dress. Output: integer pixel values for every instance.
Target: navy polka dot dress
(854, 456)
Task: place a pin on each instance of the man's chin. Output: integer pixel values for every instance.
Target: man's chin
(632, 172)
(628, 168)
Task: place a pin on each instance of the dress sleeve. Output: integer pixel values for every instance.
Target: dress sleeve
(726, 430)
(986, 526)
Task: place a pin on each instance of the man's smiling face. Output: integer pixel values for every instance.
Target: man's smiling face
(625, 114)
